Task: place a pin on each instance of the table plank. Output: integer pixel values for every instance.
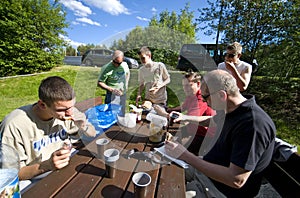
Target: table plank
(56, 180)
(173, 186)
(153, 172)
(116, 187)
(85, 175)
(85, 181)
(93, 172)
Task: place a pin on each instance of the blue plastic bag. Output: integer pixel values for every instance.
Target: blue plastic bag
(102, 117)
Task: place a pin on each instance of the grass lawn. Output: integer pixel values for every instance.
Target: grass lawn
(279, 100)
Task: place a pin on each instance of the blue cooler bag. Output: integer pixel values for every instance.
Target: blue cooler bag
(102, 117)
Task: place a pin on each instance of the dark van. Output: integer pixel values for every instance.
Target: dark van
(101, 57)
(195, 57)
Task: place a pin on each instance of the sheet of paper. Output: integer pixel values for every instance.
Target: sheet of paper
(181, 163)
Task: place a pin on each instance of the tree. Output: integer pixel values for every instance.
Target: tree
(165, 35)
(83, 48)
(255, 24)
(70, 51)
(30, 33)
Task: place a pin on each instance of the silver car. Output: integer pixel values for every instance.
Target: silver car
(99, 57)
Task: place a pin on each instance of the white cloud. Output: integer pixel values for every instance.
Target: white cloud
(77, 7)
(75, 23)
(114, 7)
(153, 10)
(142, 18)
(88, 21)
(74, 44)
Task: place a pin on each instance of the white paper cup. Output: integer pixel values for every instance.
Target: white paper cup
(141, 181)
(111, 156)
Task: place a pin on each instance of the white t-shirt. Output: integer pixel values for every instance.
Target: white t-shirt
(241, 67)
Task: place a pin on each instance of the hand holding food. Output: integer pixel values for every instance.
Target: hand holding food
(147, 105)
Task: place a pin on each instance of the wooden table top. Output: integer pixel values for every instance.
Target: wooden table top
(85, 174)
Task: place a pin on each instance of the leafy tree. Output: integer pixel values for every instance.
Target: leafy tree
(257, 25)
(30, 36)
(165, 35)
(83, 48)
(70, 51)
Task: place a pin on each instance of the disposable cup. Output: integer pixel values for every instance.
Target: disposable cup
(111, 156)
(141, 181)
(101, 147)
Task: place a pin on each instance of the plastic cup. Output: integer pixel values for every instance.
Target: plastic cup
(130, 120)
(141, 181)
(101, 147)
(156, 133)
(139, 112)
(111, 156)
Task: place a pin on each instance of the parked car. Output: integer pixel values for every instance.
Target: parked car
(132, 63)
(100, 57)
(195, 57)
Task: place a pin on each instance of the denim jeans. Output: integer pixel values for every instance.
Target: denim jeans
(111, 98)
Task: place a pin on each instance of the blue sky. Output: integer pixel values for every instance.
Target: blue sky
(100, 21)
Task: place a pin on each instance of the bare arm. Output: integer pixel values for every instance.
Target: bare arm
(139, 93)
(178, 109)
(232, 176)
(108, 88)
(201, 120)
(243, 79)
(104, 86)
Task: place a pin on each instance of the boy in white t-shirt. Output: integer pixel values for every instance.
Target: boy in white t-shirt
(240, 70)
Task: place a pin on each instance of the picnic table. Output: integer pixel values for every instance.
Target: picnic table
(85, 175)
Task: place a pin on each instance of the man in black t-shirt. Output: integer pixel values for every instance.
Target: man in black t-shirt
(245, 141)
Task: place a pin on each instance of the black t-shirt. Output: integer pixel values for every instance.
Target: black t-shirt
(247, 137)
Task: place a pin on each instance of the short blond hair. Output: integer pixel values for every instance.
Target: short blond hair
(145, 50)
(236, 47)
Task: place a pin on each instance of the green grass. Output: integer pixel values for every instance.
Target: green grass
(22, 90)
(279, 100)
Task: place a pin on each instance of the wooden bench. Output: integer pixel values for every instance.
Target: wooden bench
(285, 176)
(88, 103)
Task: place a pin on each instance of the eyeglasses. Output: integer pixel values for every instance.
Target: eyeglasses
(205, 97)
(230, 55)
(118, 63)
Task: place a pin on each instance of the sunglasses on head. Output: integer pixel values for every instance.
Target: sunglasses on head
(118, 63)
(230, 55)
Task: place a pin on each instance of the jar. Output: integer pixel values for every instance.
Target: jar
(156, 133)
(9, 168)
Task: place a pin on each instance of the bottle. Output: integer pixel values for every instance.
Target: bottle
(9, 168)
